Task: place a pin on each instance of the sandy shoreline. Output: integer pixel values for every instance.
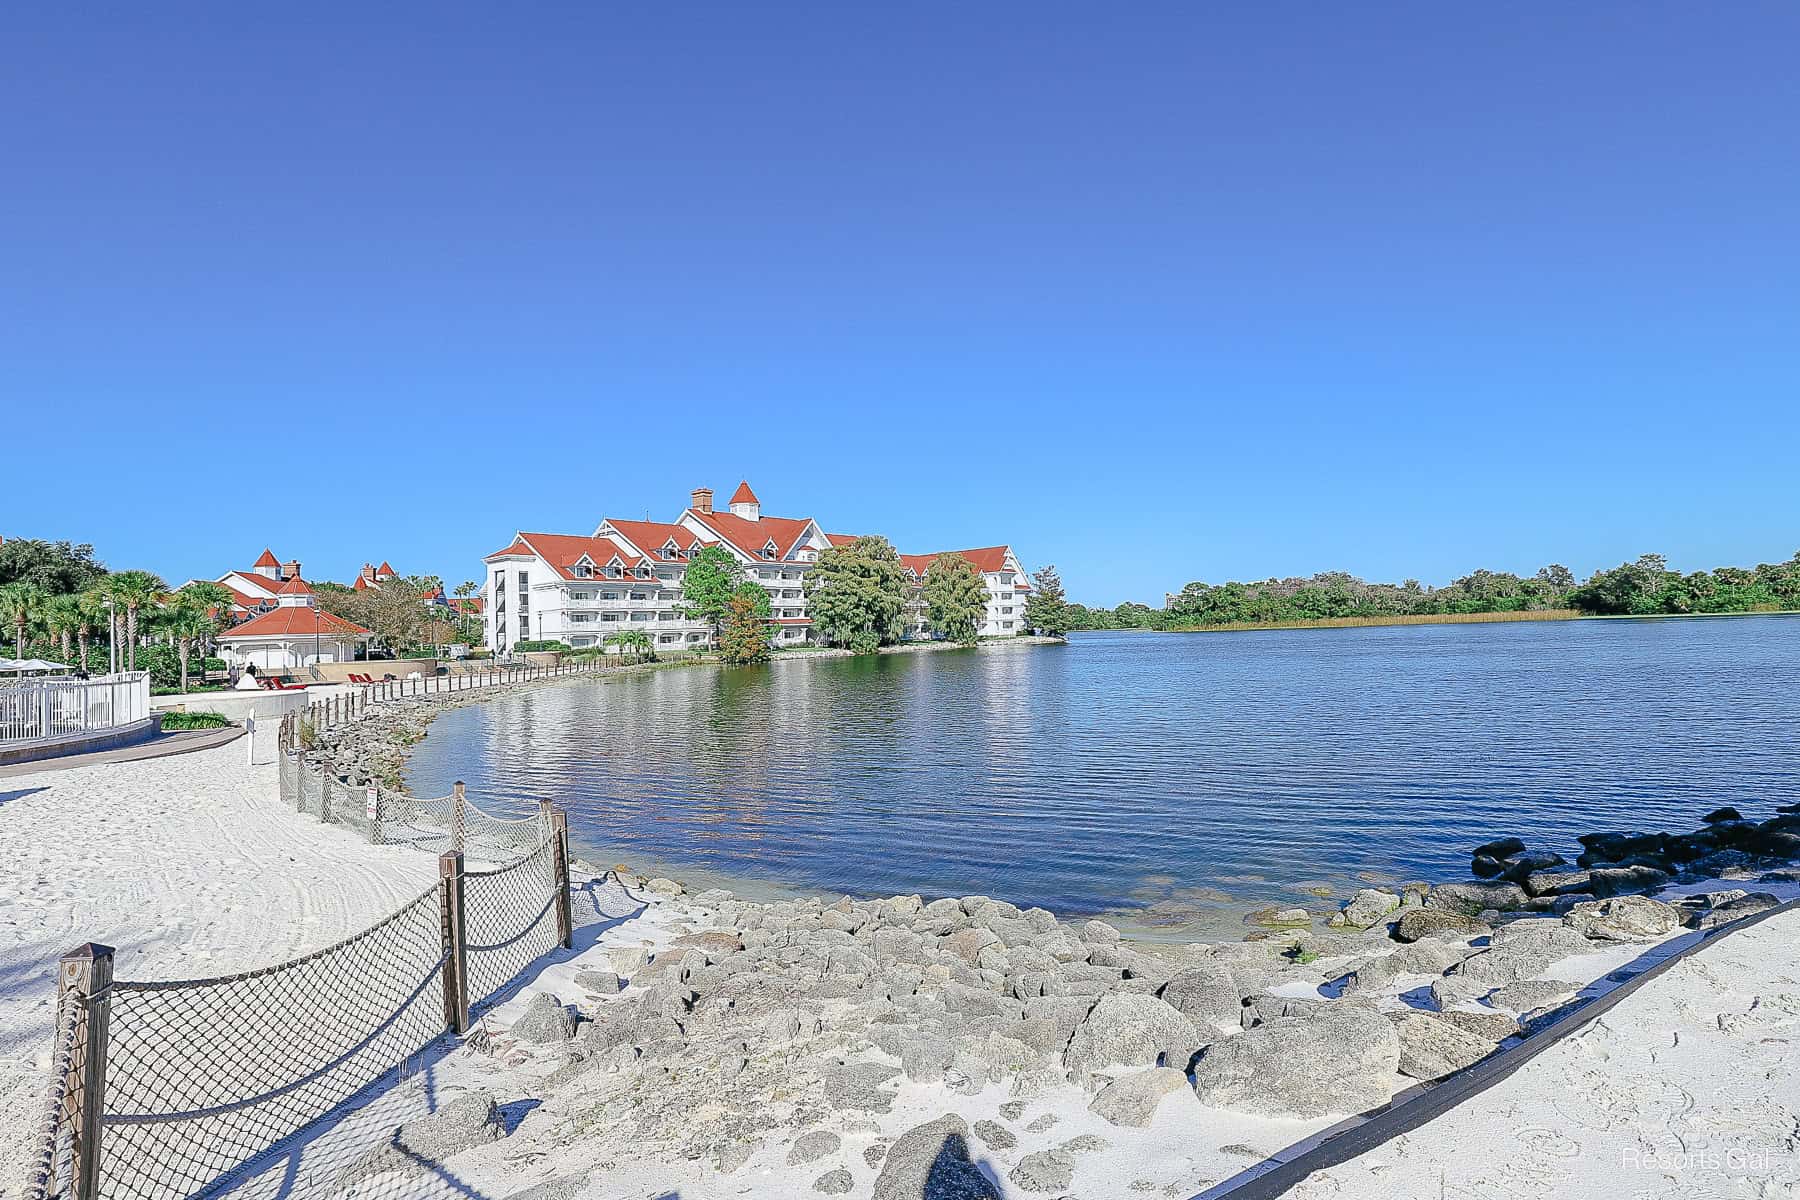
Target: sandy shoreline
(191, 866)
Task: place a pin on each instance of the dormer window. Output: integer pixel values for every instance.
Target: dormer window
(769, 550)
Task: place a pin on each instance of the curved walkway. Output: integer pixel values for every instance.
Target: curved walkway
(163, 745)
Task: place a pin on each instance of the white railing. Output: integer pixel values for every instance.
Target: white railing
(39, 709)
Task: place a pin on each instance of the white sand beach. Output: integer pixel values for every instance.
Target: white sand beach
(188, 866)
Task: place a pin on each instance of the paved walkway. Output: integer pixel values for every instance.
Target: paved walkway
(163, 745)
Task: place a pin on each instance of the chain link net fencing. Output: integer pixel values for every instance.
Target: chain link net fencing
(397, 819)
(203, 1075)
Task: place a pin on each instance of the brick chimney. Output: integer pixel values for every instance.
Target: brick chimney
(702, 500)
(290, 569)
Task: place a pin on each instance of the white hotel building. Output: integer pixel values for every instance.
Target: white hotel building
(627, 575)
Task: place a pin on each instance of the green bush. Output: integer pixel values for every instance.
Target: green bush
(194, 720)
(523, 647)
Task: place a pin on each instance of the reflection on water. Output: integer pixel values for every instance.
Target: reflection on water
(1173, 776)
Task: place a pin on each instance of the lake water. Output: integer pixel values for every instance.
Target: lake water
(1171, 780)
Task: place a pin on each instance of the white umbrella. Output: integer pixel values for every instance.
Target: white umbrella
(32, 664)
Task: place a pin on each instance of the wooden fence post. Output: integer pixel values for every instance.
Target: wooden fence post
(456, 816)
(456, 942)
(565, 918)
(84, 977)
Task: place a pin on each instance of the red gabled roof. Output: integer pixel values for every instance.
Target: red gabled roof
(652, 536)
(361, 584)
(518, 548)
(564, 550)
(744, 495)
(989, 558)
(268, 559)
(468, 604)
(294, 587)
(384, 569)
(751, 536)
(244, 599)
(843, 539)
(299, 620)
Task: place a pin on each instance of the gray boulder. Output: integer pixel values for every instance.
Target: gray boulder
(995, 1135)
(1623, 919)
(1341, 1059)
(565, 1188)
(1045, 1171)
(1529, 995)
(1489, 1026)
(858, 1086)
(1418, 923)
(1556, 883)
(1431, 1048)
(1619, 881)
(545, 1019)
(1369, 906)
(835, 1183)
(1736, 909)
(604, 983)
(931, 1162)
(1133, 1031)
(811, 1147)
(1133, 1099)
(1206, 992)
(1473, 899)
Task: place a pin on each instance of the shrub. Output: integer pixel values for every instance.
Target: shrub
(524, 647)
(194, 720)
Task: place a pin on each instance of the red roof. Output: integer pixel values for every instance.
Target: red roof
(268, 559)
(294, 587)
(652, 536)
(744, 495)
(517, 549)
(244, 599)
(751, 536)
(843, 539)
(384, 569)
(297, 620)
(989, 558)
(361, 584)
(563, 551)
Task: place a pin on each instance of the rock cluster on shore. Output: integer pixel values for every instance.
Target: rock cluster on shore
(777, 1029)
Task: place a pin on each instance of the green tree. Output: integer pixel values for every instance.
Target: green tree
(186, 618)
(465, 589)
(57, 568)
(712, 577)
(92, 606)
(955, 598)
(134, 591)
(745, 636)
(634, 642)
(22, 606)
(856, 594)
(62, 615)
(1047, 608)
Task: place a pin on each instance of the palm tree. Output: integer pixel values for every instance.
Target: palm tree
(61, 616)
(90, 607)
(22, 604)
(212, 599)
(186, 620)
(134, 590)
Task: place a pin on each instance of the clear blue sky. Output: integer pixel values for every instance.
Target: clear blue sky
(1156, 293)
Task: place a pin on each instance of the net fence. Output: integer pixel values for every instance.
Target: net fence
(510, 918)
(393, 818)
(203, 1075)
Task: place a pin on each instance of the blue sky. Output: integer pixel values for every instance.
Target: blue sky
(1157, 293)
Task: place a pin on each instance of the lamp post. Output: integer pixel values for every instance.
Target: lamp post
(112, 637)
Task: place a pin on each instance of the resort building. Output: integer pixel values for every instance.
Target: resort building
(627, 575)
(292, 634)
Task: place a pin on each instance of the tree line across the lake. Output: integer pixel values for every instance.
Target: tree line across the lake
(1646, 587)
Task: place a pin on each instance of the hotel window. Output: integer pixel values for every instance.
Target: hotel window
(1006, 624)
(640, 595)
(584, 571)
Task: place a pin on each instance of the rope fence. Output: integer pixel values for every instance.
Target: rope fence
(160, 1090)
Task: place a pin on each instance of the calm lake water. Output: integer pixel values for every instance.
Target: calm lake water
(1174, 780)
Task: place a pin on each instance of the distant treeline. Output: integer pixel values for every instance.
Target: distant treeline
(1646, 587)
